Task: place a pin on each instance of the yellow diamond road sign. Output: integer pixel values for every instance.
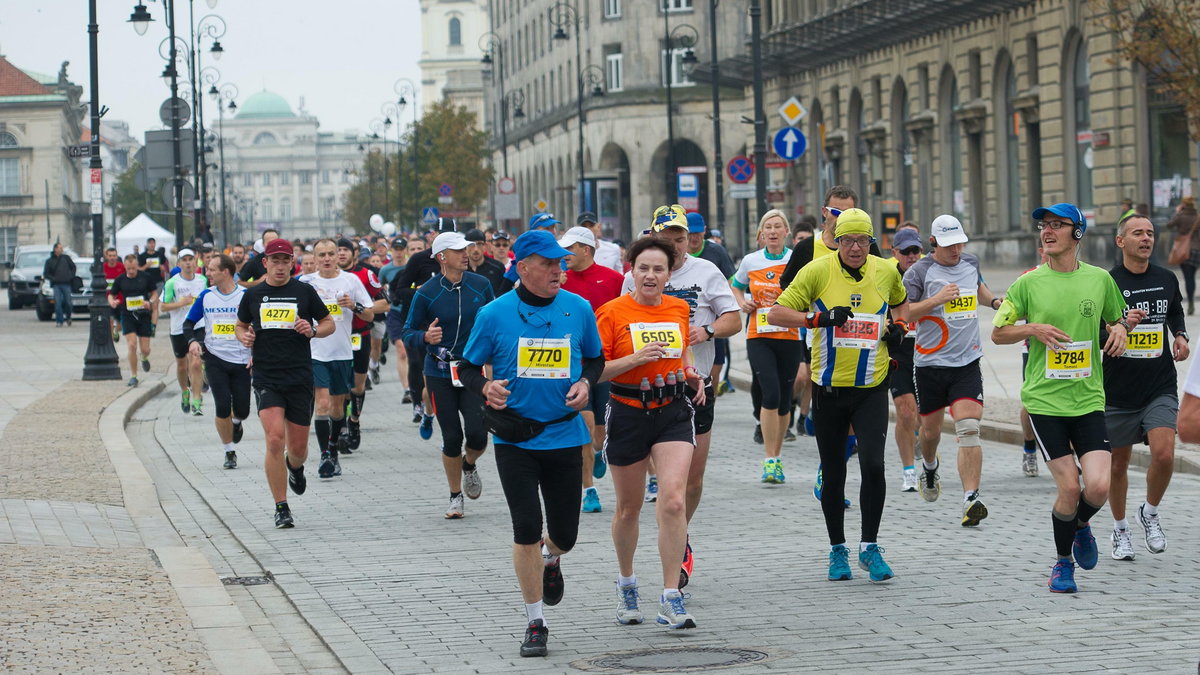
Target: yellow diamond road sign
(792, 112)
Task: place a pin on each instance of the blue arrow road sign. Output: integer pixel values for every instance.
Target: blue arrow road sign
(429, 215)
(790, 143)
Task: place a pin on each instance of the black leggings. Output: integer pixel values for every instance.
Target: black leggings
(1189, 280)
(834, 410)
(449, 402)
(230, 385)
(416, 372)
(774, 363)
(559, 474)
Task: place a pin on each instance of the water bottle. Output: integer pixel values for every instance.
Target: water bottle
(645, 392)
(671, 389)
(659, 385)
(681, 388)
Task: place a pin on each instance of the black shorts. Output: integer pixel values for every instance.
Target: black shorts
(362, 355)
(137, 322)
(720, 349)
(706, 412)
(295, 399)
(554, 475)
(633, 431)
(901, 382)
(179, 345)
(939, 387)
(805, 352)
(598, 399)
(1060, 436)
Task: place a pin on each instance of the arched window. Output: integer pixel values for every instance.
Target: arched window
(7, 140)
(285, 209)
(904, 148)
(858, 146)
(1008, 144)
(265, 138)
(267, 210)
(952, 200)
(455, 32)
(1079, 123)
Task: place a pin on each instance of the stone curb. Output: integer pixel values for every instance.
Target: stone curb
(220, 625)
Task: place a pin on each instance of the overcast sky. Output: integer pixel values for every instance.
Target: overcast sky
(342, 57)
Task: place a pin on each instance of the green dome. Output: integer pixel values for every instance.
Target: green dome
(264, 104)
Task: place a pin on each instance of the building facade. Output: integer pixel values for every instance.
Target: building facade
(117, 149)
(450, 52)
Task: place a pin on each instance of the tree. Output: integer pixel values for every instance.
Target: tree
(1162, 36)
(130, 200)
(365, 197)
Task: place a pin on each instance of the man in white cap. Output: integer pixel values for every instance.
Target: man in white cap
(944, 292)
(178, 294)
(607, 253)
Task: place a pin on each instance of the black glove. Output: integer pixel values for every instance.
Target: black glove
(836, 316)
(894, 336)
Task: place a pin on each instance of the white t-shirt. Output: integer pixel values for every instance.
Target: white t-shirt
(176, 288)
(336, 346)
(608, 254)
(220, 316)
(1192, 384)
(707, 293)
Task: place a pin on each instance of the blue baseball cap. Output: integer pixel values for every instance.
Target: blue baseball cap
(1063, 210)
(534, 242)
(695, 222)
(543, 220)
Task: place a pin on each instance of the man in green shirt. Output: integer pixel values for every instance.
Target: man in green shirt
(1066, 303)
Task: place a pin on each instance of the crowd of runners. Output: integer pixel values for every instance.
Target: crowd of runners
(576, 357)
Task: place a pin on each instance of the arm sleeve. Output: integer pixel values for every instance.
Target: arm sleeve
(414, 337)
(1114, 301)
(899, 294)
(741, 278)
(360, 295)
(196, 312)
(914, 281)
(168, 292)
(800, 254)
(471, 376)
(1012, 308)
(593, 367)
(1175, 319)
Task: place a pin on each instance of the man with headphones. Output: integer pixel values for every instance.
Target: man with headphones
(1065, 304)
(945, 290)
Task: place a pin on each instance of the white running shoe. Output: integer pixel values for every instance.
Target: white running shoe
(910, 481)
(1029, 464)
(1156, 541)
(931, 483)
(1122, 545)
(672, 614)
(472, 483)
(627, 605)
(455, 510)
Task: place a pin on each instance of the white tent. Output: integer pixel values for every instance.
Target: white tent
(137, 231)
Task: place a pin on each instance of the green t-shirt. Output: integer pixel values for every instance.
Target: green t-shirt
(1068, 382)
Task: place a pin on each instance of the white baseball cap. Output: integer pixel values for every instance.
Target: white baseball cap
(948, 231)
(578, 235)
(185, 253)
(453, 241)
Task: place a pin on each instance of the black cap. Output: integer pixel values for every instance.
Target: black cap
(500, 234)
(586, 217)
(474, 235)
(345, 243)
(447, 225)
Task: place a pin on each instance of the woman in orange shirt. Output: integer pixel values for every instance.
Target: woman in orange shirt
(650, 416)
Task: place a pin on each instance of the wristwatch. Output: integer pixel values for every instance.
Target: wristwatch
(995, 300)
(810, 319)
(1184, 335)
(708, 329)
(358, 308)
(586, 382)
(1125, 323)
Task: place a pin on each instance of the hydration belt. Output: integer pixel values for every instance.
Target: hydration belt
(653, 394)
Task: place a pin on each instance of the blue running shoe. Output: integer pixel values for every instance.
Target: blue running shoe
(819, 483)
(778, 469)
(809, 427)
(851, 446)
(1084, 548)
(591, 501)
(1062, 576)
(599, 466)
(839, 564)
(426, 429)
(872, 561)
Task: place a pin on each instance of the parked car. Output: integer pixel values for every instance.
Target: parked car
(25, 280)
(81, 293)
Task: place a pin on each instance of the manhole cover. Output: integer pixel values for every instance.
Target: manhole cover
(248, 581)
(677, 659)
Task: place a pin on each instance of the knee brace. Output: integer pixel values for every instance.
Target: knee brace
(967, 433)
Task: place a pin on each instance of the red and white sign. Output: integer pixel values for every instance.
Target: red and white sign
(506, 186)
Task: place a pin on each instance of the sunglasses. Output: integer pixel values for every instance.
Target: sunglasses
(833, 212)
(911, 250)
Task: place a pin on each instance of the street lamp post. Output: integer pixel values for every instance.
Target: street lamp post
(760, 117)
(100, 359)
(405, 89)
(490, 42)
(393, 111)
(380, 128)
(718, 165)
(212, 27)
(227, 92)
(686, 36)
(561, 16)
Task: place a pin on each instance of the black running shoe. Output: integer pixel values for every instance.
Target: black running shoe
(552, 584)
(344, 442)
(325, 468)
(407, 396)
(355, 434)
(230, 459)
(368, 383)
(296, 477)
(383, 356)
(758, 434)
(337, 466)
(535, 639)
(283, 517)
(237, 432)
(146, 365)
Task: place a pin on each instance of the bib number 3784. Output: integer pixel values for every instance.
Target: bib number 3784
(544, 358)
(1071, 361)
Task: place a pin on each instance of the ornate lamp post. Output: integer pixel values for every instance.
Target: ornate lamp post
(683, 37)
(407, 91)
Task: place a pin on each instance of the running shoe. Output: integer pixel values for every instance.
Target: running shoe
(872, 561)
(368, 386)
(910, 481)
(672, 614)
(237, 431)
(1062, 577)
(591, 501)
(230, 459)
(552, 584)
(839, 564)
(355, 435)
(599, 466)
(426, 429)
(628, 612)
(375, 374)
(407, 397)
(325, 468)
(383, 355)
(722, 388)
(418, 413)
(685, 568)
(146, 365)
(789, 436)
(819, 483)
(1029, 464)
(931, 483)
(800, 425)
(779, 478)
(337, 464)
(185, 401)
(197, 407)
(296, 477)
(652, 490)
(1156, 540)
(1122, 545)
(768, 474)
(758, 434)
(535, 639)
(974, 511)
(283, 517)
(472, 483)
(810, 427)
(1084, 548)
(343, 442)
(132, 382)
(455, 510)
(729, 388)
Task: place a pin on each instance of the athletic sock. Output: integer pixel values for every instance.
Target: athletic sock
(1064, 533)
(1149, 509)
(548, 558)
(356, 404)
(1031, 445)
(626, 581)
(668, 590)
(279, 504)
(455, 494)
(374, 364)
(928, 466)
(862, 546)
(1121, 524)
(969, 494)
(336, 425)
(910, 467)
(534, 612)
(467, 466)
(321, 425)
(1084, 512)
(229, 447)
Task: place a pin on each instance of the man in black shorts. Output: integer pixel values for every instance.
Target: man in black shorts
(906, 250)
(136, 293)
(277, 320)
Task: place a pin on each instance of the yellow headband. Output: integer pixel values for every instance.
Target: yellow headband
(854, 221)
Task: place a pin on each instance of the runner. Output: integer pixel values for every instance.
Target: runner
(543, 363)
(607, 253)
(1065, 302)
(442, 315)
(945, 291)
(651, 414)
(360, 339)
(1141, 403)
(771, 349)
(113, 268)
(499, 247)
(399, 300)
(906, 250)
(154, 262)
(178, 295)
(332, 356)
(255, 269)
(226, 361)
(136, 294)
(597, 284)
(716, 254)
(493, 270)
(847, 298)
(277, 320)
(421, 267)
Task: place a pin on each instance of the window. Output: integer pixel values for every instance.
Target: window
(345, 177)
(8, 242)
(325, 176)
(675, 5)
(266, 178)
(285, 209)
(265, 138)
(267, 210)
(679, 76)
(305, 177)
(615, 71)
(7, 140)
(1083, 128)
(247, 179)
(612, 9)
(9, 176)
(285, 178)
(455, 32)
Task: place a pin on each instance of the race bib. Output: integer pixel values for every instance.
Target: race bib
(277, 314)
(110, 283)
(547, 358)
(152, 263)
(760, 322)
(1145, 342)
(335, 310)
(859, 332)
(645, 333)
(356, 342)
(223, 330)
(135, 303)
(1072, 361)
(961, 308)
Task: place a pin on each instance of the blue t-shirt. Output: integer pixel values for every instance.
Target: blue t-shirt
(455, 306)
(506, 324)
